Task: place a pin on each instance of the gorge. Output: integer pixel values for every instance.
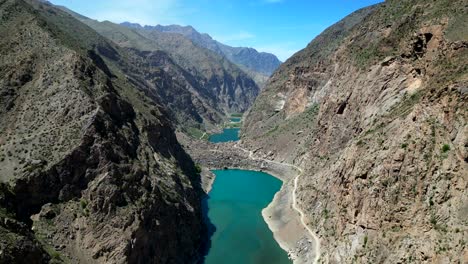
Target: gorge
(122, 143)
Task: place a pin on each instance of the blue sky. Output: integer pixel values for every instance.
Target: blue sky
(282, 27)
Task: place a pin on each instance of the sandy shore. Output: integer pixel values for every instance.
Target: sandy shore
(285, 223)
(281, 217)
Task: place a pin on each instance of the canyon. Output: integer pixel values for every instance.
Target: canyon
(104, 128)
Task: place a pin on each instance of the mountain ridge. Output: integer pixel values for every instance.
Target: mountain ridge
(213, 87)
(259, 65)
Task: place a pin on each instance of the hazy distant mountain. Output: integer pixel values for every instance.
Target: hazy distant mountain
(249, 59)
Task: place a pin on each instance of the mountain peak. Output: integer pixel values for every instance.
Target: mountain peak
(131, 25)
(249, 59)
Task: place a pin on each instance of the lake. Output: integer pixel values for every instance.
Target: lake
(229, 134)
(235, 209)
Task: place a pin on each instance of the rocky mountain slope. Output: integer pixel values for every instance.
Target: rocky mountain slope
(209, 87)
(259, 65)
(90, 168)
(261, 62)
(375, 111)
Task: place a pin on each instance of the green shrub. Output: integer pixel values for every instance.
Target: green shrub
(198, 168)
(431, 202)
(326, 214)
(445, 148)
(83, 204)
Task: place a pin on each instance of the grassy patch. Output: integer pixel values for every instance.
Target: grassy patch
(195, 133)
(233, 125)
(405, 107)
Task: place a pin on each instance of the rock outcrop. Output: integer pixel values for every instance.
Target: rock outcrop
(375, 111)
(90, 168)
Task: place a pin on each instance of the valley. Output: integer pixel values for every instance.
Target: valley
(131, 143)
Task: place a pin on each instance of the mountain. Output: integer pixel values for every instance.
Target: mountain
(374, 110)
(260, 65)
(209, 86)
(90, 167)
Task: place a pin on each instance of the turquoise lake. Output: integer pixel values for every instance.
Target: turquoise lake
(235, 119)
(235, 207)
(229, 134)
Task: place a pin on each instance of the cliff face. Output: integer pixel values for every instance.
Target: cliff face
(90, 168)
(375, 111)
(209, 87)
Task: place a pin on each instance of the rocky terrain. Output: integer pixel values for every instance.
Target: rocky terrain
(372, 115)
(90, 168)
(259, 65)
(374, 110)
(206, 86)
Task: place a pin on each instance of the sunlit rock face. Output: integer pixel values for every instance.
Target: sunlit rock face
(374, 110)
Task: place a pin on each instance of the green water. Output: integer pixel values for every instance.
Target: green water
(229, 134)
(235, 208)
(235, 119)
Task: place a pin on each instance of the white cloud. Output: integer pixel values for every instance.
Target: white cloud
(282, 50)
(241, 35)
(145, 12)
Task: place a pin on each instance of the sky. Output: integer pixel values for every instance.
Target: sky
(281, 27)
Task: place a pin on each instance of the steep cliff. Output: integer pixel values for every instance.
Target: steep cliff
(90, 168)
(375, 111)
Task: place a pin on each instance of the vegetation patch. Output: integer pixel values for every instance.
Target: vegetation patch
(405, 107)
(198, 168)
(195, 132)
(445, 148)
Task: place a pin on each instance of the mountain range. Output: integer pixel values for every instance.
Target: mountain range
(210, 86)
(260, 65)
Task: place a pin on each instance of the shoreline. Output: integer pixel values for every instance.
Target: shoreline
(282, 215)
(282, 220)
(207, 180)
